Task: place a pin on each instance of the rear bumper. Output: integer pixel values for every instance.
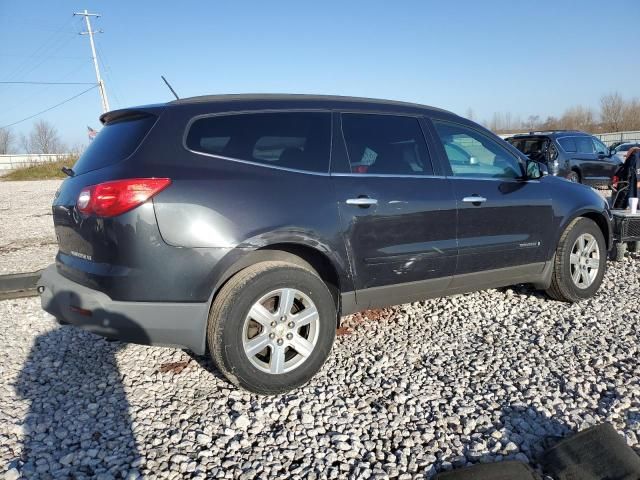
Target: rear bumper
(147, 323)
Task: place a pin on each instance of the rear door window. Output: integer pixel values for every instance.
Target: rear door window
(568, 144)
(584, 144)
(296, 140)
(385, 144)
(115, 142)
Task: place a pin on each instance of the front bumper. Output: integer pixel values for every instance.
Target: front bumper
(148, 323)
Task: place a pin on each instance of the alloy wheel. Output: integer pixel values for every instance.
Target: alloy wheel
(584, 260)
(280, 331)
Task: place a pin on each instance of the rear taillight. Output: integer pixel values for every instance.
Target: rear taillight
(119, 196)
(614, 181)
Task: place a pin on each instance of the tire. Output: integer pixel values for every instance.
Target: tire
(617, 252)
(564, 286)
(232, 331)
(573, 176)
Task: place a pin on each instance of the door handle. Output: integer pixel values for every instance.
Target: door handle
(363, 202)
(474, 199)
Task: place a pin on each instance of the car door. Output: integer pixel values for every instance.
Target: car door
(587, 159)
(607, 164)
(398, 213)
(504, 221)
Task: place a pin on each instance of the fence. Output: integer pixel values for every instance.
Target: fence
(609, 138)
(11, 162)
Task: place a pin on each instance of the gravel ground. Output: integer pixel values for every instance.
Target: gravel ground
(27, 238)
(407, 392)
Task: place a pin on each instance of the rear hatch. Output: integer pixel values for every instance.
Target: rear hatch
(85, 241)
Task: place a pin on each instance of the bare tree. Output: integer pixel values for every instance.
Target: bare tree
(612, 108)
(533, 122)
(578, 118)
(6, 141)
(43, 138)
(631, 115)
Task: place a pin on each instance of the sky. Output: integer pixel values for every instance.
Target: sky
(488, 56)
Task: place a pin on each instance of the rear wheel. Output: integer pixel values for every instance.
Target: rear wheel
(271, 327)
(573, 176)
(579, 263)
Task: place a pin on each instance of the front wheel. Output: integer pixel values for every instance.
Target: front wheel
(271, 327)
(579, 263)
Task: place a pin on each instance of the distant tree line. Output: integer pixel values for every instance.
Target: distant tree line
(43, 138)
(615, 114)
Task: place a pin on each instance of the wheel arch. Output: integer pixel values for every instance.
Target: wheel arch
(603, 224)
(598, 217)
(295, 253)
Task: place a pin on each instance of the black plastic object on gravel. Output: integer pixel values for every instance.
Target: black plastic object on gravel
(593, 454)
(17, 285)
(492, 471)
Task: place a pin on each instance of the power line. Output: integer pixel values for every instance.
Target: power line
(52, 42)
(48, 83)
(38, 91)
(50, 108)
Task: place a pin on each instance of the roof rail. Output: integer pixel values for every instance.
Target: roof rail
(558, 130)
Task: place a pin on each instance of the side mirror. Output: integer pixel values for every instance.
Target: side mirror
(536, 170)
(602, 155)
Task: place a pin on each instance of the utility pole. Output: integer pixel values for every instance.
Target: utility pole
(103, 92)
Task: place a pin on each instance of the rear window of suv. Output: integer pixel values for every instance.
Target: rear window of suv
(115, 142)
(296, 140)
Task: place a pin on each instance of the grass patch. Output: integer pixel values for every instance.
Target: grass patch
(41, 171)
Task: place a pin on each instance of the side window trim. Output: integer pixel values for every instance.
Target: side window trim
(195, 118)
(443, 159)
(419, 119)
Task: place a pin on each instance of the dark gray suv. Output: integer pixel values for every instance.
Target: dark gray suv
(247, 225)
(571, 154)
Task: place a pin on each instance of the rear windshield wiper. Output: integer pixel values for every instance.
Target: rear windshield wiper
(68, 171)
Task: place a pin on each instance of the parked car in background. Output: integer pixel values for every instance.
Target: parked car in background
(571, 154)
(245, 226)
(620, 151)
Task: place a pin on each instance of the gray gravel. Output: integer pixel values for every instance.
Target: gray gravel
(407, 392)
(27, 238)
(425, 387)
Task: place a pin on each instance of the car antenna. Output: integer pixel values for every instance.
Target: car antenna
(170, 87)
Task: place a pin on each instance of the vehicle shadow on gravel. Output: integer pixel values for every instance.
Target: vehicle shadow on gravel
(78, 424)
(531, 430)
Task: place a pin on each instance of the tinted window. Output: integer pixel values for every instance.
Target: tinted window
(568, 144)
(385, 144)
(599, 146)
(584, 145)
(299, 140)
(473, 154)
(115, 142)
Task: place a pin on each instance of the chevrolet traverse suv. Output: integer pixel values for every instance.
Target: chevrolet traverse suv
(245, 226)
